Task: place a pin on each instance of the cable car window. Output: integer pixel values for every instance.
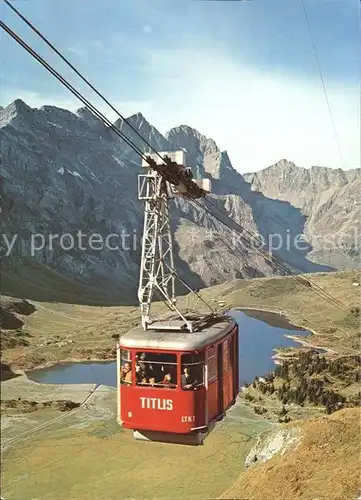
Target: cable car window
(212, 364)
(156, 369)
(192, 371)
(126, 367)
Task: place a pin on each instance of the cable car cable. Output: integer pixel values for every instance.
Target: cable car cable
(319, 292)
(78, 73)
(289, 271)
(315, 52)
(125, 120)
(91, 107)
(280, 263)
(85, 80)
(173, 271)
(72, 89)
(117, 112)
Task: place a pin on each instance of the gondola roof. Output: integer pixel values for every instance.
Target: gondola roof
(177, 340)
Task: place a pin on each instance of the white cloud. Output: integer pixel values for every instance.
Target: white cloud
(96, 45)
(258, 117)
(78, 50)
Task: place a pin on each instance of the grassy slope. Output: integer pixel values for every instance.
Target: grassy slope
(52, 465)
(326, 464)
(71, 461)
(104, 461)
(333, 327)
(33, 281)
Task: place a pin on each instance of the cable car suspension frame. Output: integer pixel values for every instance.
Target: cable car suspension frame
(161, 183)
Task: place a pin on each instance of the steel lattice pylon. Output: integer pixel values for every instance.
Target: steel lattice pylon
(157, 264)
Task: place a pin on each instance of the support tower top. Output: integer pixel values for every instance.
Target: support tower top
(163, 181)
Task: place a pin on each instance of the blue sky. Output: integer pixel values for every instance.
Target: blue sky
(243, 73)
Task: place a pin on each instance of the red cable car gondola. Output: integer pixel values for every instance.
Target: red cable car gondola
(174, 385)
(177, 376)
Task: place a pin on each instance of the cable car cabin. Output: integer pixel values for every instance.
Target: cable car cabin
(172, 385)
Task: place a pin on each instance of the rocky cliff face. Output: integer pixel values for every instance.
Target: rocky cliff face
(63, 174)
(72, 223)
(206, 159)
(146, 130)
(330, 201)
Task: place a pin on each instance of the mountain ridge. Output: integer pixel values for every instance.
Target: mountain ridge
(66, 171)
(328, 198)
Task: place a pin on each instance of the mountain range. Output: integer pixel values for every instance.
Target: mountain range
(330, 201)
(65, 173)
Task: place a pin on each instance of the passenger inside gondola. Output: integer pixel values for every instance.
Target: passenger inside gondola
(156, 369)
(150, 372)
(140, 374)
(168, 382)
(188, 381)
(126, 376)
(192, 370)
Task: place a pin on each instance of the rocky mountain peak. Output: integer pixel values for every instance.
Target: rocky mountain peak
(146, 130)
(19, 105)
(197, 146)
(328, 197)
(284, 164)
(281, 167)
(17, 108)
(192, 140)
(53, 114)
(93, 121)
(139, 120)
(205, 158)
(62, 175)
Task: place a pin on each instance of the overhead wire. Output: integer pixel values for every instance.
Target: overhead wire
(284, 266)
(92, 108)
(233, 249)
(80, 75)
(70, 87)
(97, 113)
(328, 104)
(73, 90)
(85, 80)
(301, 278)
(320, 292)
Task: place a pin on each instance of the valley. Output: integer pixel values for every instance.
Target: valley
(65, 302)
(37, 418)
(49, 332)
(180, 250)
(87, 185)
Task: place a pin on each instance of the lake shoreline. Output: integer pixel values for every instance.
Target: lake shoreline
(270, 317)
(69, 361)
(280, 325)
(285, 321)
(279, 320)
